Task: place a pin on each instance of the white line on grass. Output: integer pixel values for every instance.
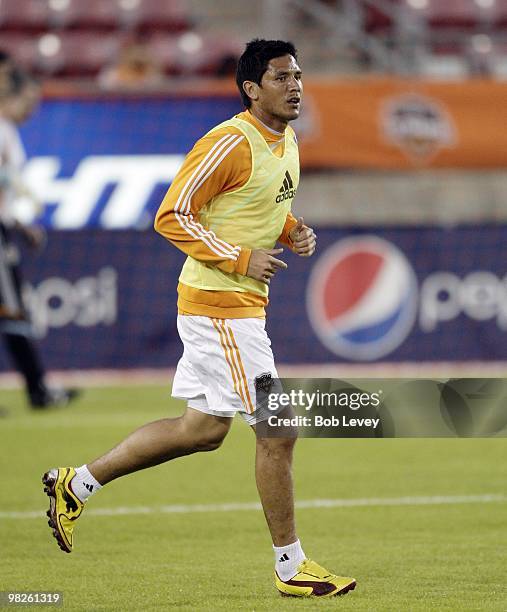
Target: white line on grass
(434, 500)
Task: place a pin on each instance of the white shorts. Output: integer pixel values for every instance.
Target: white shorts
(221, 360)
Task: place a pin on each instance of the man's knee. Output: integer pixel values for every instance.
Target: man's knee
(276, 446)
(205, 432)
(210, 440)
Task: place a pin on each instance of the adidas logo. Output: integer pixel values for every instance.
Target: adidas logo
(283, 558)
(287, 190)
(88, 486)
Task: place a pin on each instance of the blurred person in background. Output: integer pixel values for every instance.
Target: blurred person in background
(134, 69)
(5, 66)
(19, 95)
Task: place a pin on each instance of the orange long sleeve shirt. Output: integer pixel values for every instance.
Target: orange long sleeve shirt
(218, 163)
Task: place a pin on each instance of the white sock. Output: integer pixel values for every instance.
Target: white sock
(84, 484)
(287, 560)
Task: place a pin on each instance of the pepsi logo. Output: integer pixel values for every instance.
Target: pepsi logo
(362, 298)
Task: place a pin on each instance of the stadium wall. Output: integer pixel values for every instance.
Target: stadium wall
(407, 267)
(107, 299)
(110, 159)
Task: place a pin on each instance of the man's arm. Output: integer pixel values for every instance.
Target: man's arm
(218, 163)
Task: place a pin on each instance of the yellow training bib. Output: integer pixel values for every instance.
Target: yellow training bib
(252, 216)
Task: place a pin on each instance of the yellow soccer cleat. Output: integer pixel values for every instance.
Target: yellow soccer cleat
(312, 580)
(64, 506)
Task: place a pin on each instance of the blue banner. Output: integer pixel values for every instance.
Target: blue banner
(107, 163)
(104, 299)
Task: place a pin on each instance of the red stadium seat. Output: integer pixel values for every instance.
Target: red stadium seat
(463, 14)
(76, 54)
(219, 55)
(22, 47)
(164, 48)
(193, 53)
(376, 21)
(499, 15)
(150, 15)
(24, 15)
(80, 14)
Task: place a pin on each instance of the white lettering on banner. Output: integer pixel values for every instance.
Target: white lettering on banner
(134, 177)
(56, 302)
(480, 295)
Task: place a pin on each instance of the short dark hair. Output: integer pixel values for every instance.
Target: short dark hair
(255, 59)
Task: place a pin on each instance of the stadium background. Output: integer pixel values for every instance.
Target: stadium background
(403, 150)
(399, 141)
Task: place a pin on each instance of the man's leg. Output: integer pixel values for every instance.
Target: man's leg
(22, 349)
(150, 445)
(273, 474)
(27, 362)
(25, 357)
(295, 575)
(161, 441)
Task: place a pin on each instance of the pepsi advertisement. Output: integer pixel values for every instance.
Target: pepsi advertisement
(107, 299)
(367, 295)
(397, 294)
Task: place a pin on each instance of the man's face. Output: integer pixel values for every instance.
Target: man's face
(281, 89)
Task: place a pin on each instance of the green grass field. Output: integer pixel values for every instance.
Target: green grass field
(406, 557)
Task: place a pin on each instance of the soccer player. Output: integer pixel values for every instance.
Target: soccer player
(19, 95)
(226, 209)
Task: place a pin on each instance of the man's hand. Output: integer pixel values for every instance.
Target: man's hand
(263, 265)
(303, 239)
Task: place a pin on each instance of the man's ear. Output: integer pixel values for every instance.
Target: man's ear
(251, 89)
